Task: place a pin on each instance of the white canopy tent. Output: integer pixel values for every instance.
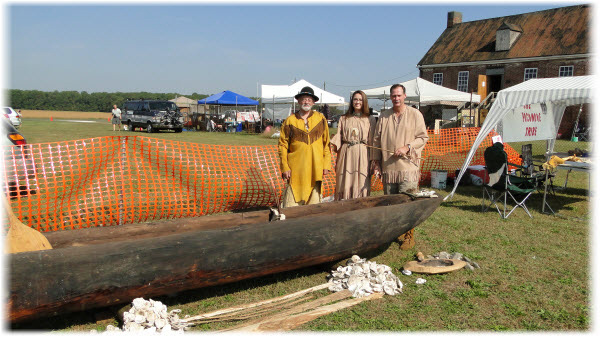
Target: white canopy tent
(424, 92)
(279, 101)
(555, 93)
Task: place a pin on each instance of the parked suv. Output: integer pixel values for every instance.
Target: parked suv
(152, 115)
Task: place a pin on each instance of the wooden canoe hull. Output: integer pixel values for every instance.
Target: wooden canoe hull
(85, 276)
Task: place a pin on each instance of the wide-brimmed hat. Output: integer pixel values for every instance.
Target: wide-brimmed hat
(307, 91)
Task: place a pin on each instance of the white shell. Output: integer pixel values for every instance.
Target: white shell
(139, 319)
(160, 323)
(363, 277)
(138, 303)
(152, 316)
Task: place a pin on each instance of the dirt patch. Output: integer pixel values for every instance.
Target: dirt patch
(65, 114)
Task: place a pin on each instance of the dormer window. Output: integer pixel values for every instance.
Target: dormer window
(506, 36)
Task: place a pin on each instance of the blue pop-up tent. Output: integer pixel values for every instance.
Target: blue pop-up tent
(228, 98)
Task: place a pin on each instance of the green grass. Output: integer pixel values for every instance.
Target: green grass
(44, 131)
(534, 276)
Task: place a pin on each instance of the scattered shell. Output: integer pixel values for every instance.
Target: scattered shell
(364, 277)
(150, 316)
(420, 281)
(406, 272)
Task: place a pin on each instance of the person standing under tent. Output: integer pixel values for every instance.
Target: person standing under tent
(354, 133)
(304, 152)
(400, 136)
(116, 117)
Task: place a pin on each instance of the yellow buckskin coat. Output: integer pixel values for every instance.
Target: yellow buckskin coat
(305, 153)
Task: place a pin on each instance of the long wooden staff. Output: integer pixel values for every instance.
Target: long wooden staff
(378, 148)
(392, 152)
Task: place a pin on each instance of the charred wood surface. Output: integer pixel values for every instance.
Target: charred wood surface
(81, 277)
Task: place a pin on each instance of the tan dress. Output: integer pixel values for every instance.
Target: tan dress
(352, 165)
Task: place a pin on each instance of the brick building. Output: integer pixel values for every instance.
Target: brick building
(489, 55)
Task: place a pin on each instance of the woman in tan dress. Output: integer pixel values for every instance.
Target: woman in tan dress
(354, 132)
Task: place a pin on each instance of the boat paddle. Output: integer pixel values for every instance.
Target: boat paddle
(20, 237)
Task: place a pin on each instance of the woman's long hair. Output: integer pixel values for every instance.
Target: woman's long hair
(365, 106)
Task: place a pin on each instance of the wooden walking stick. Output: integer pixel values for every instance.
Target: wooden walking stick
(20, 237)
(378, 148)
(392, 152)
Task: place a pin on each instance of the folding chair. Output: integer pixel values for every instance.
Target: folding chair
(583, 134)
(504, 185)
(529, 170)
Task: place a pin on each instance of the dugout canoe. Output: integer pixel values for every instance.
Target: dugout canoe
(97, 267)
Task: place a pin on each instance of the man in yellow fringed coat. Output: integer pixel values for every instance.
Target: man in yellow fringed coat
(304, 152)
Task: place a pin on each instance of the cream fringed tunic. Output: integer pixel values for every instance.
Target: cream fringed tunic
(352, 165)
(392, 133)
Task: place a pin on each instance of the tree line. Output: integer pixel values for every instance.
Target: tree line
(81, 101)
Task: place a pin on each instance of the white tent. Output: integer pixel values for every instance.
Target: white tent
(425, 93)
(279, 101)
(555, 93)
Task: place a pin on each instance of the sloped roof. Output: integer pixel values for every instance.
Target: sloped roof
(183, 100)
(558, 31)
(286, 93)
(425, 92)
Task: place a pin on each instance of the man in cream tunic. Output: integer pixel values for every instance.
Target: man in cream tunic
(304, 152)
(402, 135)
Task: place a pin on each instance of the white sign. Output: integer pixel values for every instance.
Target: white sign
(248, 116)
(529, 122)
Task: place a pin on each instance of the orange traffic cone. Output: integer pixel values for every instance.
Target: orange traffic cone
(51, 118)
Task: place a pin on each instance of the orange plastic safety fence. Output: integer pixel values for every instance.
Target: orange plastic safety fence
(447, 150)
(117, 180)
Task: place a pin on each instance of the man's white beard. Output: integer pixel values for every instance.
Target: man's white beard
(306, 107)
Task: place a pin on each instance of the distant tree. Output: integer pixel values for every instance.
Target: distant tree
(80, 101)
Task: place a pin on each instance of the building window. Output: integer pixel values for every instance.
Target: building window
(463, 81)
(564, 71)
(438, 78)
(530, 73)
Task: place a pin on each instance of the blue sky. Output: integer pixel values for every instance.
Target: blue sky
(207, 48)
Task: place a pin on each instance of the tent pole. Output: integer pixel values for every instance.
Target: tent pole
(273, 121)
(577, 121)
(470, 109)
(384, 99)
(545, 191)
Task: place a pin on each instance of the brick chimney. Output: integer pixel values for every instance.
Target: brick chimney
(454, 18)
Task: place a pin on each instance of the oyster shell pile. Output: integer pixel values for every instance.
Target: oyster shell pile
(424, 193)
(150, 316)
(364, 277)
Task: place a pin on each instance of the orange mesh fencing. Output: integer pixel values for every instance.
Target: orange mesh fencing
(117, 180)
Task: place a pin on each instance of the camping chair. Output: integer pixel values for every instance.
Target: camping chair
(502, 184)
(583, 134)
(529, 170)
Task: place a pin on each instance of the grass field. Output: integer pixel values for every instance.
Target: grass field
(534, 276)
(37, 130)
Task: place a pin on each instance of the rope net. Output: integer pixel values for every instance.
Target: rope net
(118, 180)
